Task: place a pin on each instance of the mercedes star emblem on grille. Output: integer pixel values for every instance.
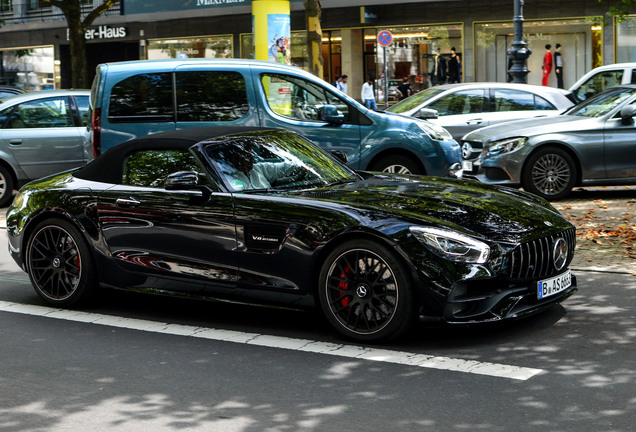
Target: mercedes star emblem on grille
(560, 253)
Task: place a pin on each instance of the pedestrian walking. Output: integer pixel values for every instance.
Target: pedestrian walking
(454, 67)
(368, 96)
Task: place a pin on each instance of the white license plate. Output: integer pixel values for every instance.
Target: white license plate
(467, 165)
(555, 285)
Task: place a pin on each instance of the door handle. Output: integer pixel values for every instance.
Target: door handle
(15, 141)
(474, 121)
(127, 202)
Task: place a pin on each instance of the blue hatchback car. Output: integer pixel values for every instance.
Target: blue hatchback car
(132, 99)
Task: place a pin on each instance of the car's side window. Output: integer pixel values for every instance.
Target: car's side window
(460, 102)
(83, 108)
(151, 168)
(144, 97)
(298, 98)
(210, 96)
(599, 82)
(41, 113)
(513, 100)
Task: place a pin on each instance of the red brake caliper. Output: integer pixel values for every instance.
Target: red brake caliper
(343, 285)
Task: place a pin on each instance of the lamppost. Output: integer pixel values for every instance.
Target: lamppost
(519, 52)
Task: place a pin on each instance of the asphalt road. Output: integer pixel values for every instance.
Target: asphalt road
(136, 362)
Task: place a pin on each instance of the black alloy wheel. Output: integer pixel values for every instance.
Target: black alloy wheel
(396, 164)
(550, 173)
(365, 292)
(59, 264)
(6, 187)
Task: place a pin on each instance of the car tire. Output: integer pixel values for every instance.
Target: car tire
(396, 164)
(6, 187)
(550, 173)
(365, 292)
(59, 264)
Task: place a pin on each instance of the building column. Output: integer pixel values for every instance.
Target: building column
(352, 58)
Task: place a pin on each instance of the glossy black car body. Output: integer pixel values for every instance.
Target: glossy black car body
(373, 251)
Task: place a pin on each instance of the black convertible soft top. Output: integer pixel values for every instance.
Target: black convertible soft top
(108, 167)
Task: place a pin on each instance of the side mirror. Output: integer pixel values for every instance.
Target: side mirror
(627, 114)
(182, 180)
(330, 114)
(427, 114)
(340, 155)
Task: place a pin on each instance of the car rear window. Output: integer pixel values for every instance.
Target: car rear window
(210, 96)
(142, 97)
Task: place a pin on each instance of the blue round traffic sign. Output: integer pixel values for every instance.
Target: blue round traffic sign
(385, 38)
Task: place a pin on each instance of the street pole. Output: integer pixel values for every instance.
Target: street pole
(386, 81)
(519, 52)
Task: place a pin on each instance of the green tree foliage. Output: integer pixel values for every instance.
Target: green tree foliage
(77, 26)
(619, 8)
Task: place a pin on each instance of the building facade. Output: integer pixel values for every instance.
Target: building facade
(35, 54)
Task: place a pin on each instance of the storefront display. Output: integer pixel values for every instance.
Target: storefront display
(580, 41)
(29, 68)
(218, 46)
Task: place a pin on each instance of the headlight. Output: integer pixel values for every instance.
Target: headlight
(436, 132)
(506, 146)
(452, 245)
(18, 200)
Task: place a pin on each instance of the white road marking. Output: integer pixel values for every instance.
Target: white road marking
(305, 345)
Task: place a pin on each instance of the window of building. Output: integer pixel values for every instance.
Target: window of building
(211, 96)
(626, 40)
(580, 40)
(218, 46)
(37, 4)
(151, 168)
(144, 96)
(6, 5)
(28, 68)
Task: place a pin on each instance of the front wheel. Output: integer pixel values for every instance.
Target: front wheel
(550, 173)
(59, 264)
(396, 164)
(365, 292)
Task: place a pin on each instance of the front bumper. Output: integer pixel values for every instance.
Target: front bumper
(469, 304)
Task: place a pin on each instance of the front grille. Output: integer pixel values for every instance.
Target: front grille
(534, 260)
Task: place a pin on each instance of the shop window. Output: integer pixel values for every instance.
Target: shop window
(141, 98)
(461, 102)
(220, 46)
(299, 99)
(211, 96)
(151, 168)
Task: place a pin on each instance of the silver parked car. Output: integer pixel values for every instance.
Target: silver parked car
(462, 108)
(592, 144)
(42, 133)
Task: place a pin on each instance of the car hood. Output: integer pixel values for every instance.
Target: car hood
(498, 213)
(531, 127)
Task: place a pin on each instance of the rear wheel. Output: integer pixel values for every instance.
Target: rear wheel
(550, 173)
(59, 264)
(397, 164)
(6, 186)
(365, 292)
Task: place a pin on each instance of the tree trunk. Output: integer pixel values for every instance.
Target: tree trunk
(313, 13)
(77, 41)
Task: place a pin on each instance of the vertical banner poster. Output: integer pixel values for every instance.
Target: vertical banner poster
(279, 36)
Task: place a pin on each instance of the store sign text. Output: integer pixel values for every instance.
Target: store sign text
(536, 36)
(217, 2)
(103, 32)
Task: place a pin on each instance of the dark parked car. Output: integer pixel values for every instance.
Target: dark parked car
(592, 144)
(42, 133)
(266, 216)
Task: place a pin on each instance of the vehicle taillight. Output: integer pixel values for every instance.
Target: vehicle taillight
(96, 127)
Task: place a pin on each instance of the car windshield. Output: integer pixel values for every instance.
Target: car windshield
(263, 161)
(414, 101)
(603, 103)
